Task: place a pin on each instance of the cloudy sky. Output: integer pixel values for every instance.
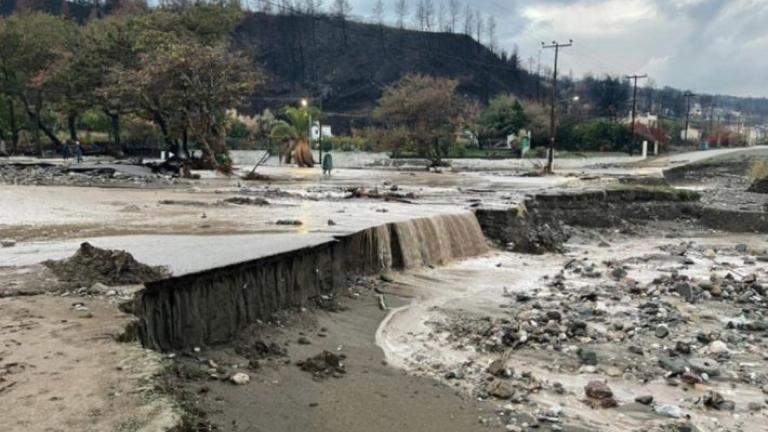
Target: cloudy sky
(708, 46)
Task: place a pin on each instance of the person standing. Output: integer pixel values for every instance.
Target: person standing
(65, 151)
(327, 164)
(79, 151)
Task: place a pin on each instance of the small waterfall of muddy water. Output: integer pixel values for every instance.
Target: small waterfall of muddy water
(432, 241)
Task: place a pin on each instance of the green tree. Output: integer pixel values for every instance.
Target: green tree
(186, 88)
(189, 74)
(111, 52)
(503, 116)
(33, 48)
(427, 108)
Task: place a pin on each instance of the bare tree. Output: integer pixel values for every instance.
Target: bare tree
(441, 17)
(454, 9)
(419, 21)
(492, 40)
(378, 12)
(429, 14)
(479, 26)
(401, 11)
(341, 9)
(284, 7)
(313, 7)
(469, 20)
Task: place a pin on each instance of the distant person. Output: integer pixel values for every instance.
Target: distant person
(65, 151)
(327, 164)
(79, 151)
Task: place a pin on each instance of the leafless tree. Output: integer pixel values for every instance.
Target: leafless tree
(419, 20)
(492, 40)
(429, 14)
(313, 7)
(341, 9)
(401, 11)
(441, 17)
(378, 12)
(479, 26)
(454, 9)
(469, 20)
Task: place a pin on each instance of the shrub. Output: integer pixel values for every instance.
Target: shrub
(758, 170)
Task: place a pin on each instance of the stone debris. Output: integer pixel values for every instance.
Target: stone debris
(290, 222)
(6, 243)
(240, 378)
(594, 318)
(599, 395)
(325, 364)
(251, 201)
(43, 174)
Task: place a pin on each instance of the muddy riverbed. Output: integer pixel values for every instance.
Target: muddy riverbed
(673, 327)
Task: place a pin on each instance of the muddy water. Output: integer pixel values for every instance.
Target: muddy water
(479, 286)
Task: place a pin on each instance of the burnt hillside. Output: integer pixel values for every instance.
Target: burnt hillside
(345, 65)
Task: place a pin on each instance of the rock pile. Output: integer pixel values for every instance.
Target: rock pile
(325, 364)
(90, 265)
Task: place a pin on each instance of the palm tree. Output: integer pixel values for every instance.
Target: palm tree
(294, 132)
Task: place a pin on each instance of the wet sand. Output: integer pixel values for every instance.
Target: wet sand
(371, 396)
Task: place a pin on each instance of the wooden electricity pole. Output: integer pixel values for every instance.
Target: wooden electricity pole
(634, 107)
(552, 124)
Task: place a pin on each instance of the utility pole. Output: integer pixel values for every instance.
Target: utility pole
(688, 95)
(634, 107)
(552, 124)
(538, 79)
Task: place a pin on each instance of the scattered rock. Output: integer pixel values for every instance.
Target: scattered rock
(252, 201)
(715, 400)
(501, 389)
(6, 243)
(704, 366)
(598, 390)
(673, 411)
(644, 400)
(240, 378)
(324, 365)
(661, 332)
(291, 222)
(599, 395)
(498, 368)
(716, 348)
(588, 357)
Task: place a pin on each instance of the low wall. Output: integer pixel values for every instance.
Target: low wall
(210, 307)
